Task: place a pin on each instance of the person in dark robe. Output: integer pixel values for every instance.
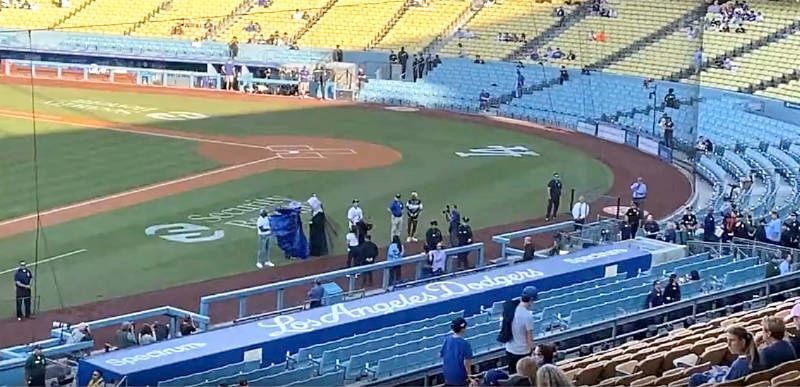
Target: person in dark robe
(317, 238)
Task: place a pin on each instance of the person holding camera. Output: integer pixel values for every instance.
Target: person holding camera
(125, 336)
(453, 218)
(433, 236)
(35, 368)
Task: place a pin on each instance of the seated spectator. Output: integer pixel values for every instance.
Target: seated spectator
(436, 60)
(544, 354)
(535, 55)
(526, 373)
(759, 17)
(724, 27)
(728, 64)
(559, 12)
(774, 350)
(714, 8)
(298, 14)
(585, 70)
(187, 326)
(670, 100)
(557, 54)
(551, 376)
(571, 55)
(523, 38)
(650, 227)
(461, 53)
(528, 250)
(549, 53)
(97, 379)
(160, 330)
(499, 36)
(742, 345)
(478, 60)
(80, 332)
(691, 33)
(494, 377)
(656, 296)
(315, 294)
(514, 37)
(785, 266)
(671, 233)
(263, 3)
(563, 75)
(146, 335)
(125, 336)
(739, 29)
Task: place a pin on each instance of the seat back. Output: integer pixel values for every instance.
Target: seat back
(787, 379)
(589, 375)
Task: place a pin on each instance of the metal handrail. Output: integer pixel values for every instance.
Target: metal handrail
(419, 260)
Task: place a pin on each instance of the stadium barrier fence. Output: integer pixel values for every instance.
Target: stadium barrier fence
(279, 288)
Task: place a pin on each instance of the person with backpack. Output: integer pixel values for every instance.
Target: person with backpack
(516, 330)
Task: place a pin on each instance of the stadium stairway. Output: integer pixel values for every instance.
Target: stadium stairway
(116, 17)
(690, 16)
(541, 40)
(353, 24)
(419, 26)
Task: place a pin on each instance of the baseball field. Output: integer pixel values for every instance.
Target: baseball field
(119, 192)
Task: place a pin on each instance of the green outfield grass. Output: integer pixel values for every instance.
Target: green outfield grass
(490, 190)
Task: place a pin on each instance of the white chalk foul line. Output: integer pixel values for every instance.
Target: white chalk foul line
(138, 190)
(56, 120)
(54, 258)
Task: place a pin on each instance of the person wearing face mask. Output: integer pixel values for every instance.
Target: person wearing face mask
(553, 196)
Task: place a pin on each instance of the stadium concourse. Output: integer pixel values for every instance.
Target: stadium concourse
(651, 88)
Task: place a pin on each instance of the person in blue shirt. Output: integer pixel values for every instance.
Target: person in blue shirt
(22, 283)
(773, 228)
(639, 192)
(456, 355)
(395, 253)
(742, 345)
(315, 294)
(396, 208)
(786, 264)
(775, 350)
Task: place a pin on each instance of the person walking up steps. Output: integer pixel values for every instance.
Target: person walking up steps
(264, 233)
(413, 210)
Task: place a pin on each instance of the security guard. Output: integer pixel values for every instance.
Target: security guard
(794, 230)
(35, 368)
(464, 238)
(22, 282)
(433, 236)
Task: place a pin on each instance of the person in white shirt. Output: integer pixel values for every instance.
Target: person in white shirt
(298, 14)
(355, 214)
(352, 247)
(264, 233)
(580, 211)
(438, 259)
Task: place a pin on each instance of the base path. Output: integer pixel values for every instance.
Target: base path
(241, 157)
(668, 190)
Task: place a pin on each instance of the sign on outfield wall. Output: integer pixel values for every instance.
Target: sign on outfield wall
(610, 133)
(648, 146)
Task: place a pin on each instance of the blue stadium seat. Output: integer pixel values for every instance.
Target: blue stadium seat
(216, 373)
(283, 378)
(333, 379)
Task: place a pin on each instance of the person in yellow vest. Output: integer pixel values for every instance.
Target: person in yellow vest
(97, 379)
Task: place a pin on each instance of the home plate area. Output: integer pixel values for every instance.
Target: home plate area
(307, 151)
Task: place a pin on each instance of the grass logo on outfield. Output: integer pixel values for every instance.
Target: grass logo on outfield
(499, 151)
(208, 227)
(125, 109)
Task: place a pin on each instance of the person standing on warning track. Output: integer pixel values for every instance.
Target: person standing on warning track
(396, 208)
(553, 197)
(264, 233)
(22, 282)
(413, 210)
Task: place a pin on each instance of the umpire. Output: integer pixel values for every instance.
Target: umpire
(22, 282)
(553, 197)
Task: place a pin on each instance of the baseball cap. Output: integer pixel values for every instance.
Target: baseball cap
(530, 292)
(458, 324)
(397, 196)
(494, 377)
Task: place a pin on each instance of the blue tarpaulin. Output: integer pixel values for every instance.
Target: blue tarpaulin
(288, 230)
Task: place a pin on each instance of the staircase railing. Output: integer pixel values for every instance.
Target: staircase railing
(688, 71)
(164, 5)
(392, 22)
(313, 20)
(550, 33)
(463, 18)
(72, 13)
(229, 20)
(692, 15)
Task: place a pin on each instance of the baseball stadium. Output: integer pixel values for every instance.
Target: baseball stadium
(400, 193)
